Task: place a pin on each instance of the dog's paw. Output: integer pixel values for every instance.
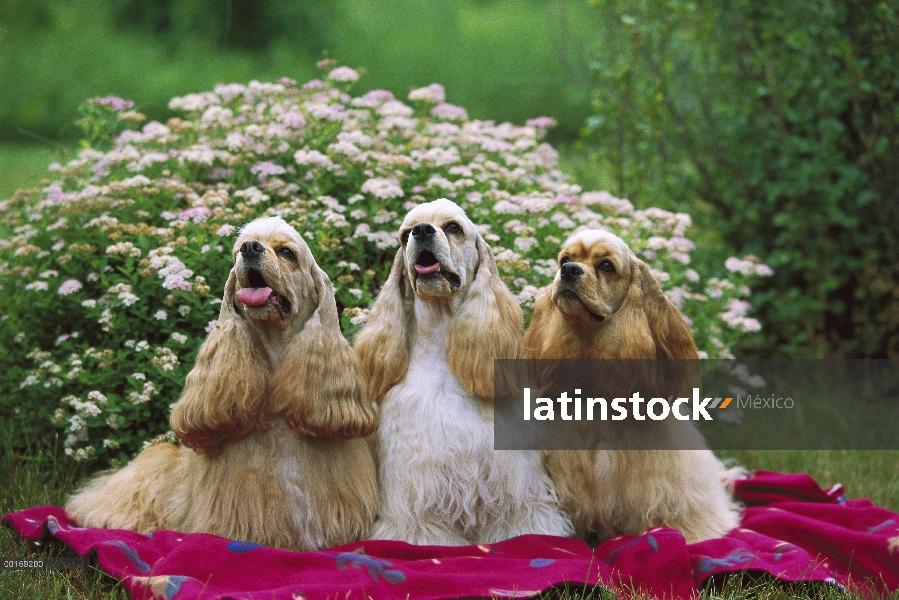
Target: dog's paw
(732, 475)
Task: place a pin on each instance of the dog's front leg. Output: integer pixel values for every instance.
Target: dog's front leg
(416, 531)
(529, 502)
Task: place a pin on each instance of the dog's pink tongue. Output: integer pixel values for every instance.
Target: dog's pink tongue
(254, 296)
(425, 270)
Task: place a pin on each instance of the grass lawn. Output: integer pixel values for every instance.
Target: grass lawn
(25, 165)
(33, 478)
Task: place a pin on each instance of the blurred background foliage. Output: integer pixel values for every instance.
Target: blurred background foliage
(497, 58)
(775, 125)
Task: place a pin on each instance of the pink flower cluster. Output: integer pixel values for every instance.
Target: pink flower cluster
(113, 102)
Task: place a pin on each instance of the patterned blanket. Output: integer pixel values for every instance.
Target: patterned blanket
(792, 529)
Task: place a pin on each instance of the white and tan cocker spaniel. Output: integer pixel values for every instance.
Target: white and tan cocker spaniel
(605, 304)
(272, 419)
(427, 352)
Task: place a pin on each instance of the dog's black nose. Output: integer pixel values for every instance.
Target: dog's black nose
(423, 230)
(570, 271)
(251, 249)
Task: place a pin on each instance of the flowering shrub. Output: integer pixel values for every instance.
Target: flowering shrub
(112, 275)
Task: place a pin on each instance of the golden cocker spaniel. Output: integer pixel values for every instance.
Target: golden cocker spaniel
(272, 419)
(427, 352)
(605, 304)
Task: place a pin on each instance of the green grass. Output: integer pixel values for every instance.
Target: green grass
(34, 477)
(870, 474)
(736, 587)
(24, 165)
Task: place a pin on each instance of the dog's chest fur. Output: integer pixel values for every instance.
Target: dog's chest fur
(279, 486)
(438, 441)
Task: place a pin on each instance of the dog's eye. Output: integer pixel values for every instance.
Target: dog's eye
(564, 260)
(606, 266)
(404, 237)
(287, 253)
(452, 227)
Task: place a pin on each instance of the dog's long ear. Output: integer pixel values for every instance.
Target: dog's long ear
(317, 387)
(669, 332)
(627, 334)
(548, 336)
(487, 326)
(645, 326)
(535, 342)
(227, 385)
(382, 347)
(648, 326)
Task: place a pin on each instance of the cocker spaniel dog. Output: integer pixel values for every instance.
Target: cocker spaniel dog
(272, 419)
(605, 304)
(427, 352)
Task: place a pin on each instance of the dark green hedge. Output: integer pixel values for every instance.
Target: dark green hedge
(782, 120)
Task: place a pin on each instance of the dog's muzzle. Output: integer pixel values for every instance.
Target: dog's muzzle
(258, 294)
(427, 265)
(570, 272)
(570, 304)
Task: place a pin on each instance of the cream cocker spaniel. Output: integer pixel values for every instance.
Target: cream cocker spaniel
(427, 352)
(272, 419)
(605, 304)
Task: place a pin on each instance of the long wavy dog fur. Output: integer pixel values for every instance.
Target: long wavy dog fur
(427, 353)
(271, 419)
(605, 304)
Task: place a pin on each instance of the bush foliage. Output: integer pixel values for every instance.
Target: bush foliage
(497, 58)
(112, 274)
(783, 118)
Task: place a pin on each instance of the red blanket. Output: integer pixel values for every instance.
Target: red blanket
(792, 529)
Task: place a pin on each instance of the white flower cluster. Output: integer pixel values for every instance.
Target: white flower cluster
(174, 273)
(124, 249)
(124, 293)
(165, 359)
(145, 395)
